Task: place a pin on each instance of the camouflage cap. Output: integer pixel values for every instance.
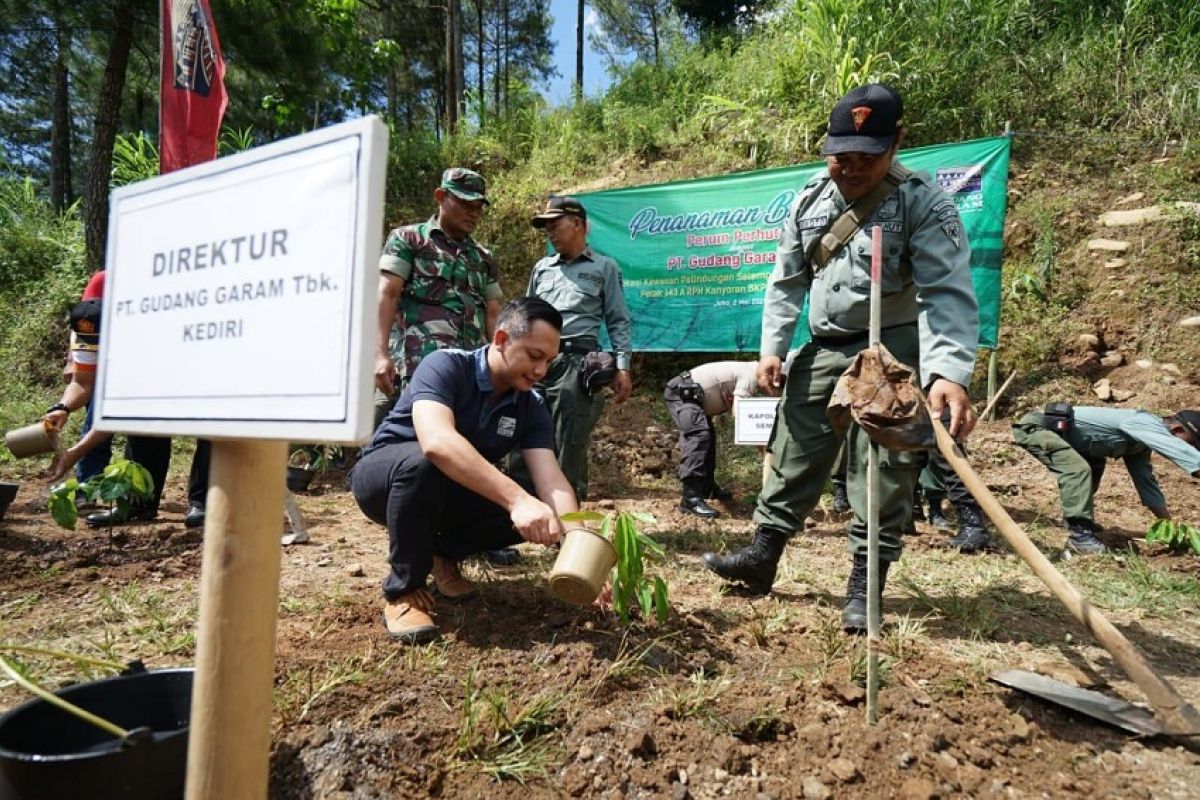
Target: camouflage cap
(465, 184)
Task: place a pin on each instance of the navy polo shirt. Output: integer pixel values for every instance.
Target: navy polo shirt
(460, 380)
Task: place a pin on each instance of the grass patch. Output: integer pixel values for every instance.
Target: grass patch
(695, 699)
(1131, 584)
(303, 688)
(505, 736)
(972, 615)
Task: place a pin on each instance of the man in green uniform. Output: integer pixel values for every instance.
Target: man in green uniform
(929, 319)
(1075, 442)
(586, 288)
(438, 287)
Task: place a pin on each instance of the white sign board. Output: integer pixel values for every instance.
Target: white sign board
(753, 418)
(240, 298)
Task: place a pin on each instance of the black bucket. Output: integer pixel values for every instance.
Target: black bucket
(8, 491)
(47, 753)
(298, 479)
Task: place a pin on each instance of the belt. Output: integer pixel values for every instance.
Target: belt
(854, 338)
(578, 345)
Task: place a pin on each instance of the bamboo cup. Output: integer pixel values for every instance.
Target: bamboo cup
(582, 566)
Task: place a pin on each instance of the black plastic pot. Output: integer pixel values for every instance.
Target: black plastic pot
(47, 753)
(298, 478)
(8, 491)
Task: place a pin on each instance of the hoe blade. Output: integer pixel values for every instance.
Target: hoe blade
(1110, 710)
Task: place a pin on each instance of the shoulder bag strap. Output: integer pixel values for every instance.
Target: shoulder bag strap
(825, 247)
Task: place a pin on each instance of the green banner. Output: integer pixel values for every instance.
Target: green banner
(696, 254)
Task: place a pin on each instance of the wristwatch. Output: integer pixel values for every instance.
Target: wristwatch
(57, 407)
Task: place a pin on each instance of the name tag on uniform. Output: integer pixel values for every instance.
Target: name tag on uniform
(506, 426)
(812, 223)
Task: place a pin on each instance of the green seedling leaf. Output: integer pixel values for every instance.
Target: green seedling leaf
(62, 505)
(584, 516)
(661, 604)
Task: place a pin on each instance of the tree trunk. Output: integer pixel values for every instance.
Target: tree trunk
(498, 70)
(108, 109)
(479, 30)
(451, 66)
(507, 45)
(654, 33)
(460, 71)
(579, 53)
(60, 128)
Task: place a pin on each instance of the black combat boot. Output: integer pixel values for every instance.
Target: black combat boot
(718, 492)
(972, 535)
(1083, 537)
(693, 502)
(918, 507)
(753, 565)
(841, 501)
(937, 517)
(854, 615)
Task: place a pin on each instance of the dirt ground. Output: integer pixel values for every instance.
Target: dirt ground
(734, 696)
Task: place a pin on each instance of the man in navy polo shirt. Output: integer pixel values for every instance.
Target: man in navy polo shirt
(429, 474)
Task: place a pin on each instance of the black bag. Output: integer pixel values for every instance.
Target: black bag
(1059, 417)
(689, 391)
(599, 369)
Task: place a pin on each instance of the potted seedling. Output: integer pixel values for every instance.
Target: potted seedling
(117, 737)
(121, 484)
(301, 468)
(617, 552)
(305, 461)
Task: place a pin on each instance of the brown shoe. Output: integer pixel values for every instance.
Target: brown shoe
(450, 583)
(407, 618)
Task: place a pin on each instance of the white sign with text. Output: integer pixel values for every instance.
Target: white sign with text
(753, 418)
(240, 294)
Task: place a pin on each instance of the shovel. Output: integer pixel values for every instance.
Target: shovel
(1098, 706)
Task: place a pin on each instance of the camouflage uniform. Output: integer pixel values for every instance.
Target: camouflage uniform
(446, 288)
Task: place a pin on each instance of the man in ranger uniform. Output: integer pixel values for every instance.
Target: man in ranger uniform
(586, 288)
(929, 319)
(437, 285)
(1075, 443)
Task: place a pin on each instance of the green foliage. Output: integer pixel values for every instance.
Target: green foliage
(1179, 537)
(632, 589)
(41, 274)
(119, 485)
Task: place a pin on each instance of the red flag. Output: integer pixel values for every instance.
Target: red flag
(193, 85)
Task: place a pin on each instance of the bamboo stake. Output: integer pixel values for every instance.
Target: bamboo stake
(996, 397)
(873, 615)
(1177, 715)
(230, 738)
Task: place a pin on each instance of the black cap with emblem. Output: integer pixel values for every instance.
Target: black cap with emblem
(865, 120)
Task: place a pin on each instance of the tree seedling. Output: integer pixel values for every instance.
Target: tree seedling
(120, 485)
(1179, 537)
(632, 589)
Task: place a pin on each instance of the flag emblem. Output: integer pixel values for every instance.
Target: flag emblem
(195, 56)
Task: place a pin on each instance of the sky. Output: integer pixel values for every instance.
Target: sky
(595, 77)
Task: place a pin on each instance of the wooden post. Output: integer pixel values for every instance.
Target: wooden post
(873, 599)
(230, 738)
(1178, 717)
(993, 368)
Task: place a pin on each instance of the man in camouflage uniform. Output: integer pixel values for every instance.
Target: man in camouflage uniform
(437, 286)
(930, 320)
(586, 288)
